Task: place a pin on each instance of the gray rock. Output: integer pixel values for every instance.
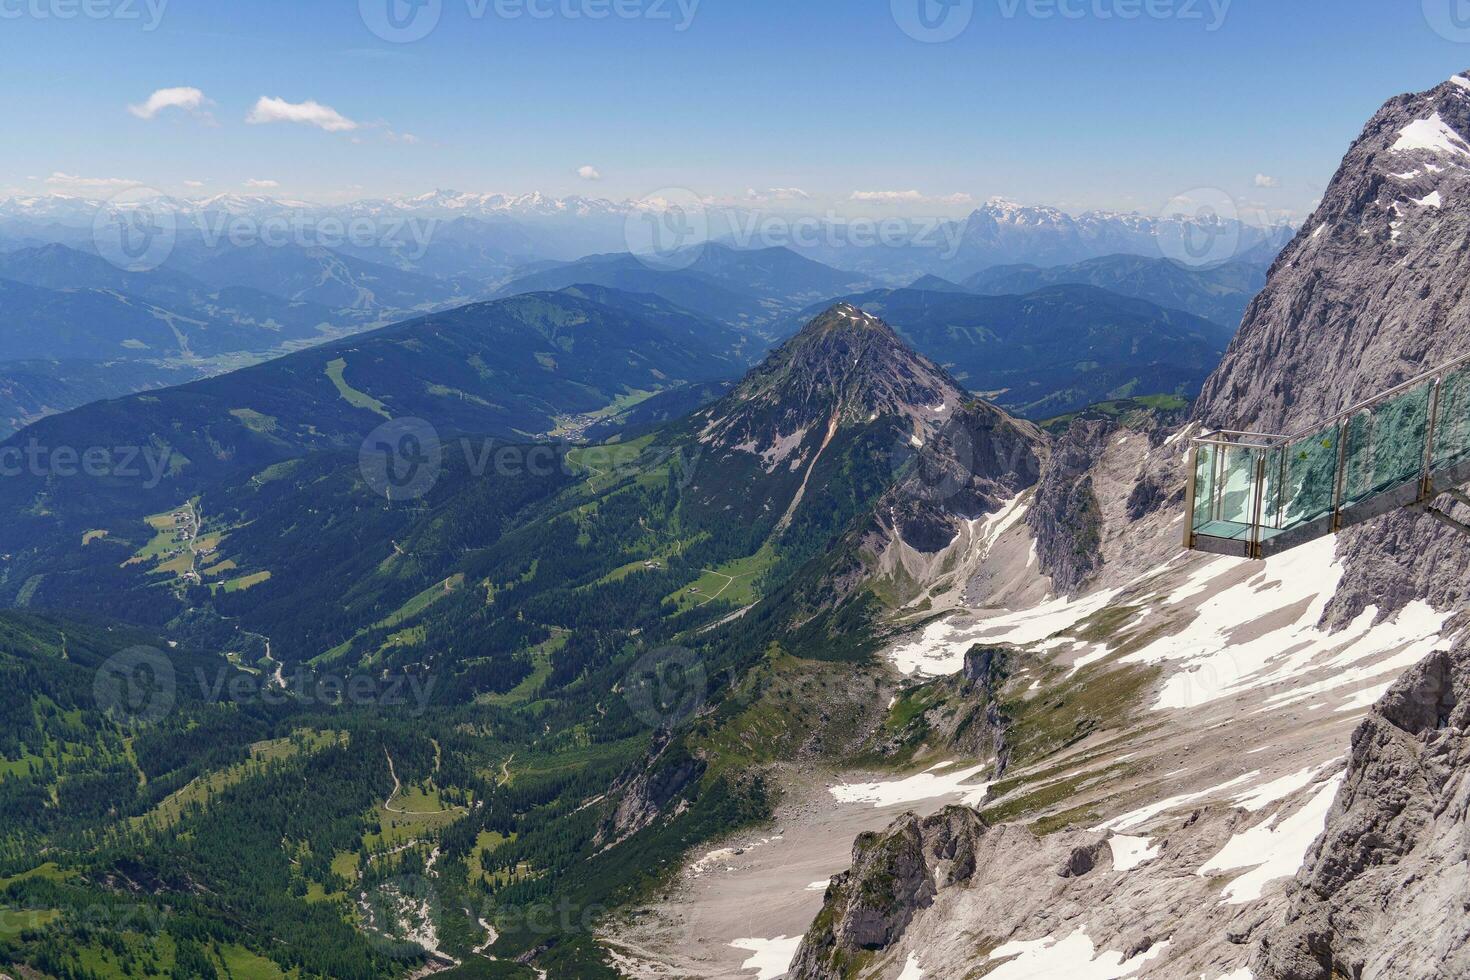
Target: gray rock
(1384, 892)
(1066, 517)
(894, 876)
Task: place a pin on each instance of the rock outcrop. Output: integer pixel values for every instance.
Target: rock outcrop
(652, 790)
(894, 876)
(1066, 517)
(1384, 891)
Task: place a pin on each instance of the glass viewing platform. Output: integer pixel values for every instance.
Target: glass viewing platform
(1253, 495)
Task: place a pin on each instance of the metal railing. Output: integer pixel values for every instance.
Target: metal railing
(1254, 494)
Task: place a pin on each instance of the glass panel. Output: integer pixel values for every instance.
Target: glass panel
(1386, 445)
(1311, 478)
(1273, 488)
(1204, 485)
(1452, 430)
(1238, 486)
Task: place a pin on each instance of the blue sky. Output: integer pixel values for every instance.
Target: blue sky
(828, 96)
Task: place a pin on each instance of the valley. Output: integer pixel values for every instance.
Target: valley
(677, 585)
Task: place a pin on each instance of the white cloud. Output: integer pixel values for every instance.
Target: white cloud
(193, 183)
(188, 99)
(75, 182)
(908, 197)
(887, 197)
(777, 194)
(262, 185)
(310, 113)
(1262, 180)
(589, 173)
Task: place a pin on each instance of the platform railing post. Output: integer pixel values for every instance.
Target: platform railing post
(1189, 497)
(1426, 483)
(1258, 511)
(1339, 489)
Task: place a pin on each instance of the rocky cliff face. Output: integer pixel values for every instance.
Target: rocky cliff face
(1385, 890)
(651, 791)
(1067, 518)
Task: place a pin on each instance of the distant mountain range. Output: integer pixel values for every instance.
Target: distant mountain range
(249, 277)
(1220, 293)
(748, 289)
(512, 230)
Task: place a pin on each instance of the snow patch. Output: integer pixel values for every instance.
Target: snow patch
(1431, 200)
(911, 969)
(1141, 816)
(771, 958)
(1432, 134)
(1258, 798)
(925, 786)
(1273, 849)
(1130, 852)
(940, 647)
(1261, 632)
(1075, 957)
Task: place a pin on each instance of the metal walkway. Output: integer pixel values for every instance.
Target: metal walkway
(1253, 495)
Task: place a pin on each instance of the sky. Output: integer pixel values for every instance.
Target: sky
(848, 106)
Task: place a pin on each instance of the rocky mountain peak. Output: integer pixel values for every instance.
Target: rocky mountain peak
(849, 318)
(846, 366)
(1372, 290)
